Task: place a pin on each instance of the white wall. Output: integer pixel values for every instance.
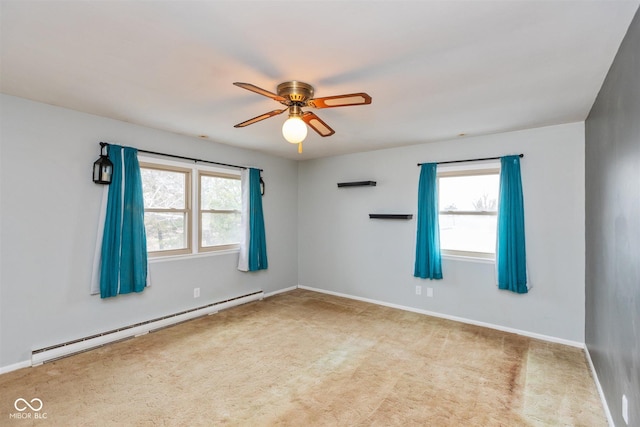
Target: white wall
(49, 211)
(341, 250)
(49, 217)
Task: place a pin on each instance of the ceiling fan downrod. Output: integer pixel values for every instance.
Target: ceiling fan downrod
(295, 110)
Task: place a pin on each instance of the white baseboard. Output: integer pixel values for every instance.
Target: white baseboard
(40, 357)
(454, 318)
(137, 331)
(280, 291)
(15, 366)
(607, 412)
(66, 349)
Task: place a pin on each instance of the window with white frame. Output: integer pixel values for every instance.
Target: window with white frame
(220, 206)
(167, 208)
(468, 205)
(189, 209)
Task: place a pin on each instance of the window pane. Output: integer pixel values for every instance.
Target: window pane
(220, 193)
(163, 189)
(165, 230)
(220, 229)
(470, 233)
(469, 193)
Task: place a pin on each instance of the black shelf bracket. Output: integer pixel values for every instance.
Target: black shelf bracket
(390, 216)
(357, 184)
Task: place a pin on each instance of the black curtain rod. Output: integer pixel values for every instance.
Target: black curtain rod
(469, 160)
(102, 144)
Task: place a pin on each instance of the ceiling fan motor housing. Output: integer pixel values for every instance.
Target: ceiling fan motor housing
(295, 91)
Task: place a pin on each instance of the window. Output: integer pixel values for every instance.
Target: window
(220, 204)
(167, 208)
(468, 204)
(190, 209)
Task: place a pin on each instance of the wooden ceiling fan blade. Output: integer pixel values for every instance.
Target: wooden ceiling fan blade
(360, 98)
(260, 117)
(260, 91)
(316, 124)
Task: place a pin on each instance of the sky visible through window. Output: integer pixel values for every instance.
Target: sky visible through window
(469, 193)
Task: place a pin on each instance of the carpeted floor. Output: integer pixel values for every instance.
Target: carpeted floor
(306, 359)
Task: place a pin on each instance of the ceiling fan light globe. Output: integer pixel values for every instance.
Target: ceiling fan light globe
(294, 130)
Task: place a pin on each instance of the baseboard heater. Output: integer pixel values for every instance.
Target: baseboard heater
(58, 351)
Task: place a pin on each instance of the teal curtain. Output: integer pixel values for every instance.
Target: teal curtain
(511, 256)
(123, 265)
(257, 251)
(428, 258)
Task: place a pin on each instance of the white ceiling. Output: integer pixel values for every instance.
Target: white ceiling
(435, 69)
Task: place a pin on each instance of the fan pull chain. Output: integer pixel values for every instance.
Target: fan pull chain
(300, 148)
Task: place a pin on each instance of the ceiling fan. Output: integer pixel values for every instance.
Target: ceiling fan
(295, 95)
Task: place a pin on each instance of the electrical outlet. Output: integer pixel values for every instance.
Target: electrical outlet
(430, 292)
(625, 409)
(196, 292)
(418, 290)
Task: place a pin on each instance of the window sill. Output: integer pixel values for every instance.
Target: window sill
(160, 259)
(469, 259)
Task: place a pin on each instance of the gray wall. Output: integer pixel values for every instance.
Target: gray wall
(343, 251)
(50, 210)
(613, 230)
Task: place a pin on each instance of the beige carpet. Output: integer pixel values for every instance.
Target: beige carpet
(305, 359)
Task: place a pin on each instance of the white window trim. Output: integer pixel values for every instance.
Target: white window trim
(195, 208)
(168, 258)
(475, 259)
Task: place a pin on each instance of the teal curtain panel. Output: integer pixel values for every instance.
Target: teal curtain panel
(123, 265)
(257, 239)
(511, 259)
(428, 263)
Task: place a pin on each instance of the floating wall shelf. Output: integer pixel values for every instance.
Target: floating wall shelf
(390, 216)
(357, 184)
